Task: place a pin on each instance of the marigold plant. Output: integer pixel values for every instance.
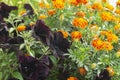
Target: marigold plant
(59, 40)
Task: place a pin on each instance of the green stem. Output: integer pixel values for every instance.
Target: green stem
(28, 49)
(15, 29)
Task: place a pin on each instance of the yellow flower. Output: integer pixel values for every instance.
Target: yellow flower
(41, 4)
(118, 54)
(51, 12)
(106, 16)
(65, 34)
(110, 7)
(94, 27)
(76, 35)
(44, 5)
(47, 5)
(117, 20)
(117, 27)
(93, 65)
(97, 6)
(79, 22)
(72, 78)
(82, 71)
(42, 16)
(117, 11)
(32, 24)
(107, 46)
(110, 71)
(21, 28)
(59, 4)
(22, 12)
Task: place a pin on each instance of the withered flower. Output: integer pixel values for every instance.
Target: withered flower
(42, 31)
(15, 40)
(32, 68)
(55, 40)
(5, 9)
(104, 75)
(29, 9)
(4, 35)
(60, 42)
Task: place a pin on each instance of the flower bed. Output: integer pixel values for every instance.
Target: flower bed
(59, 40)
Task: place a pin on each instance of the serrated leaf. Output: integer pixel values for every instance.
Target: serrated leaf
(17, 75)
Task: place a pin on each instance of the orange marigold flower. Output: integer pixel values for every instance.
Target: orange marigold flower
(110, 71)
(110, 7)
(65, 34)
(117, 11)
(80, 14)
(104, 32)
(112, 38)
(76, 35)
(59, 4)
(97, 44)
(42, 16)
(51, 12)
(74, 2)
(104, 0)
(82, 1)
(78, 2)
(82, 71)
(106, 16)
(97, 6)
(22, 12)
(72, 78)
(118, 3)
(21, 28)
(79, 22)
(114, 18)
(107, 46)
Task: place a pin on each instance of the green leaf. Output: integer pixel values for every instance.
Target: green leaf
(17, 75)
(54, 60)
(11, 29)
(22, 46)
(0, 75)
